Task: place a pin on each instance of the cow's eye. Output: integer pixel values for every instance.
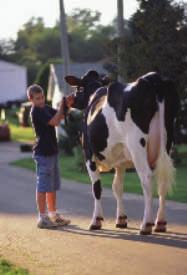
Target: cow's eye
(81, 89)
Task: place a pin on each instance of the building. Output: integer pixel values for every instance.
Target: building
(13, 82)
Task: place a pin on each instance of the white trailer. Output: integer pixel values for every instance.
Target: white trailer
(13, 82)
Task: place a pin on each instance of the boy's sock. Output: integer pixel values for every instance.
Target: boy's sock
(52, 214)
(41, 216)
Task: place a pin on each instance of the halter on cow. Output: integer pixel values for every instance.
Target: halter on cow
(128, 126)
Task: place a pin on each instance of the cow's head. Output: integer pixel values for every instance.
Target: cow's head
(85, 87)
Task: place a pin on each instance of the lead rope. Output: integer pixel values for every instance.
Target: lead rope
(65, 110)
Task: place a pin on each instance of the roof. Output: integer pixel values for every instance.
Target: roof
(4, 64)
(77, 69)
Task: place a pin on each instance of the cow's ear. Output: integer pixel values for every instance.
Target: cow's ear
(73, 80)
(93, 74)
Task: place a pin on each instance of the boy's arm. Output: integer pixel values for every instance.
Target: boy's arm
(55, 120)
(60, 113)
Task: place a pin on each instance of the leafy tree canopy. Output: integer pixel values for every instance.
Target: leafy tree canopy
(158, 41)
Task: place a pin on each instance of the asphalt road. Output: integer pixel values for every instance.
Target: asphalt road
(75, 250)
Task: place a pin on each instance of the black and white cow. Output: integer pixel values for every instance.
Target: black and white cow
(124, 126)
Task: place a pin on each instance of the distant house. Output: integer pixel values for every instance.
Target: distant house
(13, 82)
(185, 9)
(57, 82)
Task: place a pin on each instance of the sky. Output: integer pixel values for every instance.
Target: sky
(14, 13)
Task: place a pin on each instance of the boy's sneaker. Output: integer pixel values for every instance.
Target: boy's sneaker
(59, 220)
(46, 223)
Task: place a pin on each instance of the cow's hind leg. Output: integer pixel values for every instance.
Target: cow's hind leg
(117, 186)
(160, 223)
(165, 174)
(97, 218)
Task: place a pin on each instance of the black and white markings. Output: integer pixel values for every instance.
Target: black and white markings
(97, 189)
(142, 142)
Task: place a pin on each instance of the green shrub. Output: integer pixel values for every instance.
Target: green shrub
(70, 138)
(42, 77)
(79, 158)
(8, 269)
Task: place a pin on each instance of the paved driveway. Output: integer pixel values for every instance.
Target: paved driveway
(75, 250)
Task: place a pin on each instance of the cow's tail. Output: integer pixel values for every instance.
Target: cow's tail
(165, 171)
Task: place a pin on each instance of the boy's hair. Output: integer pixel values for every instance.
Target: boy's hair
(34, 89)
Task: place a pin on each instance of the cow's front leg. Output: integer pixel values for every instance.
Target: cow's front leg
(147, 224)
(96, 222)
(117, 186)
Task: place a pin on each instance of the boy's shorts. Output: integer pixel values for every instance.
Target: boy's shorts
(48, 174)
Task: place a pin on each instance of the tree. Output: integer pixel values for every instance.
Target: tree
(157, 41)
(88, 39)
(83, 22)
(37, 44)
(6, 49)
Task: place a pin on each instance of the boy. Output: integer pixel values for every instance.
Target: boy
(45, 153)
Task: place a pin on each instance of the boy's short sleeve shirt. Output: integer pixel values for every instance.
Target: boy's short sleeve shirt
(46, 141)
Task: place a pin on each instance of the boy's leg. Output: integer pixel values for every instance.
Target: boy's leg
(43, 179)
(51, 202)
(51, 205)
(51, 196)
(43, 219)
(41, 203)
(54, 186)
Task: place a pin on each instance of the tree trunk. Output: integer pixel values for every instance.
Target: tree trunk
(120, 26)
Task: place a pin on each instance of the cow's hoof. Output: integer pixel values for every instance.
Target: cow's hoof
(147, 230)
(160, 227)
(94, 227)
(97, 225)
(121, 222)
(122, 226)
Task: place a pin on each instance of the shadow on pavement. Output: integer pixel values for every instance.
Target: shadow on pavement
(172, 239)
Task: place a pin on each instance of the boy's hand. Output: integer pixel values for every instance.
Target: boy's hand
(70, 100)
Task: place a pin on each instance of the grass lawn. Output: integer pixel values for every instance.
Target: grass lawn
(8, 269)
(18, 133)
(131, 184)
(21, 134)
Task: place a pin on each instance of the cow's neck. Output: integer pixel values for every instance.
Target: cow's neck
(90, 90)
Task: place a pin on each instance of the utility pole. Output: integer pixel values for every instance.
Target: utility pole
(120, 28)
(64, 43)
